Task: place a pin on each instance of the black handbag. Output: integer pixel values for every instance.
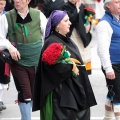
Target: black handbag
(6, 57)
(4, 54)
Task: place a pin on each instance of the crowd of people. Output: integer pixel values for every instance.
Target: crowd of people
(49, 41)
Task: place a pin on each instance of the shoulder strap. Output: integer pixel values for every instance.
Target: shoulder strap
(15, 38)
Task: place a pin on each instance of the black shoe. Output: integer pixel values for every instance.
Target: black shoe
(2, 106)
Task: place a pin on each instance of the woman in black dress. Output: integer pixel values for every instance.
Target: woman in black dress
(59, 94)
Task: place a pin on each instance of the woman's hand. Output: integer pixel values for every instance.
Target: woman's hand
(87, 28)
(78, 3)
(75, 69)
(14, 53)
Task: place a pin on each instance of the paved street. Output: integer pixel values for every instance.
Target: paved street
(97, 81)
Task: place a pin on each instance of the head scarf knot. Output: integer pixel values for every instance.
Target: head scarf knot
(54, 19)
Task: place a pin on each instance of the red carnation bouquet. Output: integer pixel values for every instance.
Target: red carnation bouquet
(89, 13)
(57, 53)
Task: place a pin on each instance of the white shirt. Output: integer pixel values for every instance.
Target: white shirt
(4, 43)
(99, 9)
(104, 34)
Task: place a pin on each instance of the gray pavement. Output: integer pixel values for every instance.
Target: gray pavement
(97, 80)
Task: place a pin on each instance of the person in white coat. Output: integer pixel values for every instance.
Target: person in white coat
(108, 48)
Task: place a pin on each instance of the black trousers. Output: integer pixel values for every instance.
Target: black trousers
(24, 81)
(114, 85)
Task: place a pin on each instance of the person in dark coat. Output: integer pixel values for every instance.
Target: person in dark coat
(9, 5)
(77, 18)
(79, 30)
(33, 3)
(62, 90)
(50, 5)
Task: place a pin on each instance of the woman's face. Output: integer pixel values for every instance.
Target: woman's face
(64, 26)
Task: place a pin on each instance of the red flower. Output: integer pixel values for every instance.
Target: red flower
(89, 11)
(52, 53)
(56, 53)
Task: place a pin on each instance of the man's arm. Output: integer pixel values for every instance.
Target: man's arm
(4, 43)
(104, 34)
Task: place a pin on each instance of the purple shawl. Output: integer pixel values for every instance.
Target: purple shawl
(54, 19)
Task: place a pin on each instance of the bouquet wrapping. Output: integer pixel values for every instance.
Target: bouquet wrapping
(57, 53)
(98, 0)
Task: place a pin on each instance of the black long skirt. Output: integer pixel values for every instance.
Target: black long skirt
(62, 113)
